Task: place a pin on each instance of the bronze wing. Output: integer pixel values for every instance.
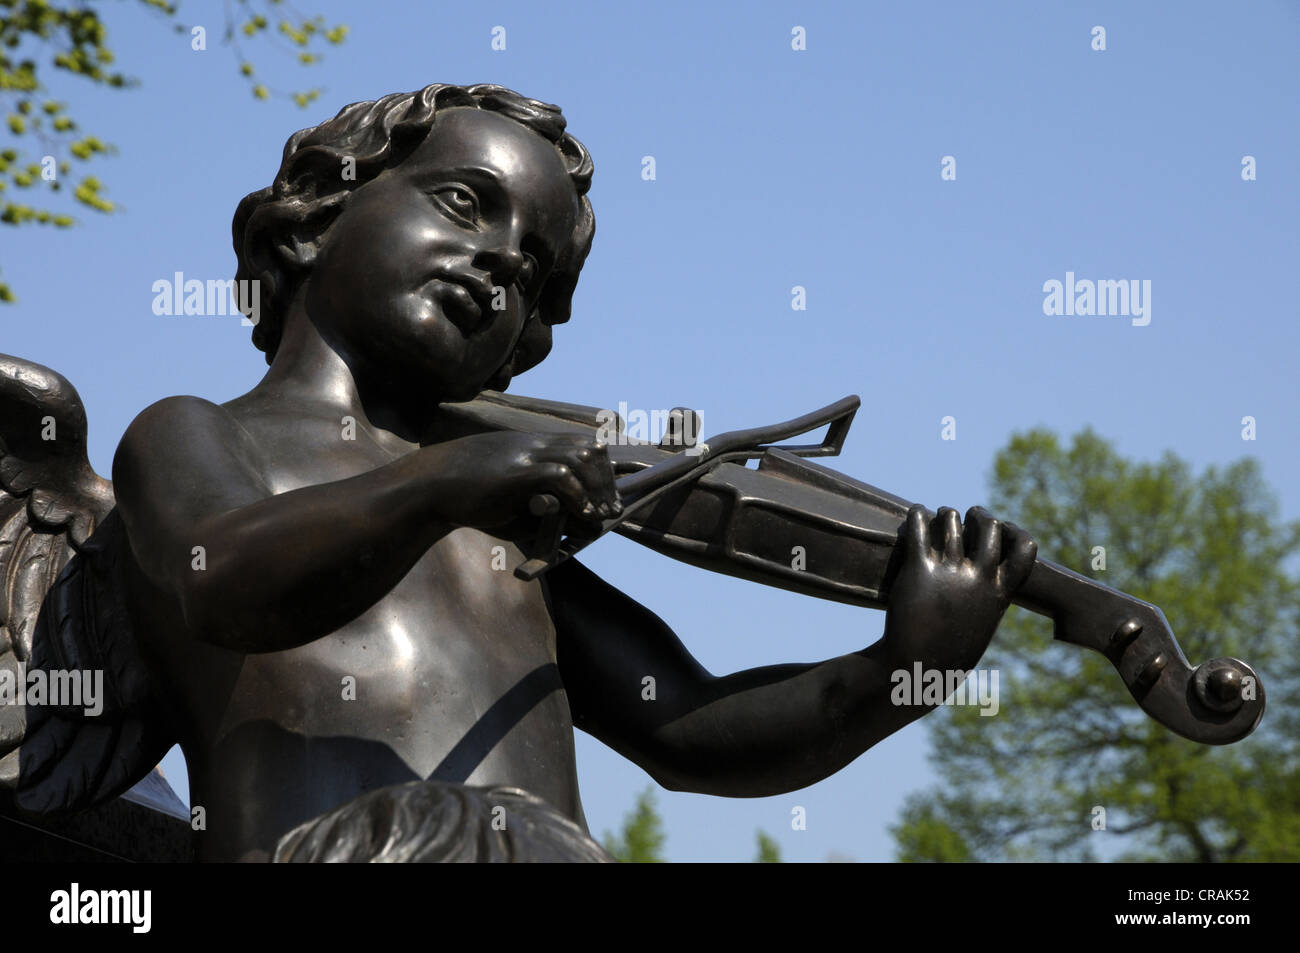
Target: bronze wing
(62, 620)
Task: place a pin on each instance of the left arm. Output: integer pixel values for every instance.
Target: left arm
(780, 727)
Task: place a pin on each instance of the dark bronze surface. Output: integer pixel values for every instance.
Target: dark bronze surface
(312, 587)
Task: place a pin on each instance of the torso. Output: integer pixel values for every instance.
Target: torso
(450, 675)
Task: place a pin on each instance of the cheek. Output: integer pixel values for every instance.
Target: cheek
(392, 238)
(509, 322)
(364, 268)
(499, 349)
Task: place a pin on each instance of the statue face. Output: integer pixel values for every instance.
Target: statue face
(405, 284)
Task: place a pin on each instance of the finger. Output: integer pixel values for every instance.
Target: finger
(983, 539)
(945, 533)
(559, 480)
(589, 461)
(915, 534)
(1021, 551)
(597, 474)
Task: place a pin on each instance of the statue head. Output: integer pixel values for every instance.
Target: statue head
(458, 213)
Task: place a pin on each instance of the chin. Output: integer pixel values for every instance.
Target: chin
(499, 381)
(460, 396)
(456, 388)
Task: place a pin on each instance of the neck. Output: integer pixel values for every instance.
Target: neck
(307, 369)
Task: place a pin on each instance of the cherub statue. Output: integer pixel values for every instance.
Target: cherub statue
(298, 586)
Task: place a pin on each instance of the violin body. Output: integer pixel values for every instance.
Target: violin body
(806, 528)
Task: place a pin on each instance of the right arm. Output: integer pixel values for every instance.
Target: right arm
(284, 569)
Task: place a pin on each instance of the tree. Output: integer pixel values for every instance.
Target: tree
(642, 838)
(769, 852)
(1070, 768)
(69, 39)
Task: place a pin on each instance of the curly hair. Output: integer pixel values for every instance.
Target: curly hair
(309, 193)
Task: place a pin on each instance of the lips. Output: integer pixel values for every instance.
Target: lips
(465, 302)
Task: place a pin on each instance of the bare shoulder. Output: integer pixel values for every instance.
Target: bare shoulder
(179, 416)
(188, 447)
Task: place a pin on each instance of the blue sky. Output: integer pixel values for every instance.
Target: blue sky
(775, 168)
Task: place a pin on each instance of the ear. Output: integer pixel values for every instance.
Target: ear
(297, 252)
(304, 238)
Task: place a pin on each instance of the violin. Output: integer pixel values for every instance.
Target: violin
(803, 527)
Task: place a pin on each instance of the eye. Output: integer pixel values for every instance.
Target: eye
(459, 202)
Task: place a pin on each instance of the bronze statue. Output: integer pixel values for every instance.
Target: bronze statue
(350, 594)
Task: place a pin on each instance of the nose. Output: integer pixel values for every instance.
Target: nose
(503, 264)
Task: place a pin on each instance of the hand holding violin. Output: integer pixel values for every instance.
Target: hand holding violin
(953, 586)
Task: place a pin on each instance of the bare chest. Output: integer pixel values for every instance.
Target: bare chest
(422, 666)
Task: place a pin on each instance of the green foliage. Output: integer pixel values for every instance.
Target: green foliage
(925, 836)
(769, 852)
(40, 38)
(642, 839)
(1209, 550)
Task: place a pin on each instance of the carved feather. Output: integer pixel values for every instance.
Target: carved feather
(61, 606)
